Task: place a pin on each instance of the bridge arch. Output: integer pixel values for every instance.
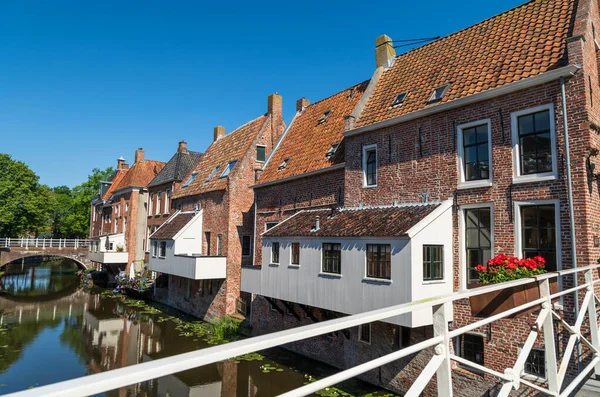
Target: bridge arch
(81, 261)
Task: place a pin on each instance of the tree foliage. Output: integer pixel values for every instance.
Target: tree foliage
(30, 208)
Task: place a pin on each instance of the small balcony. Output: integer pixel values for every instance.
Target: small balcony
(195, 267)
(109, 257)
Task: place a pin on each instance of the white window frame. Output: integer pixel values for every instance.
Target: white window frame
(150, 203)
(167, 201)
(278, 253)
(148, 238)
(228, 168)
(291, 245)
(360, 334)
(158, 203)
(159, 249)
(366, 149)
(154, 245)
(462, 238)
(557, 227)
(543, 176)
(462, 182)
(270, 222)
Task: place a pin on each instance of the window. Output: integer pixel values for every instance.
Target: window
(228, 169)
(126, 207)
(433, 262)
(275, 253)
(212, 174)
(261, 153)
(364, 333)
(154, 248)
(324, 117)
(158, 202)
(438, 93)
(163, 249)
(536, 363)
(331, 152)
(370, 165)
(399, 99)
(270, 225)
(534, 143)
(284, 164)
(478, 239)
(470, 347)
(188, 289)
(246, 251)
(379, 263)
(190, 179)
(167, 201)
(148, 233)
(219, 245)
(111, 246)
(295, 254)
(538, 233)
(474, 152)
(332, 258)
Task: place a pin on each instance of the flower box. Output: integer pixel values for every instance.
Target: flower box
(504, 268)
(492, 303)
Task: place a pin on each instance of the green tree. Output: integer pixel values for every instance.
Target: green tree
(26, 205)
(64, 206)
(78, 220)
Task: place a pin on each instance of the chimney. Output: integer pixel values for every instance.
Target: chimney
(139, 155)
(274, 105)
(318, 223)
(301, 104)
(219, 132)
(182, 148)
(121, 163)
(349, 122)
(384, 51)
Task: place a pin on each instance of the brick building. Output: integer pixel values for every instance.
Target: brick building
(162, 187)
(476, 124)
(124, 201)
(203, 245)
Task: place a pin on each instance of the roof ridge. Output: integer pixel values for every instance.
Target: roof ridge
(468, 27)
(240, 127)
(337, 93)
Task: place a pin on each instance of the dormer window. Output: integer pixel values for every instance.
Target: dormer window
(228, 169)
(331, 152)
(212, 174)
(438, 93)
(283, 164)
(190, 180)
(324, 117)
(351, 93)
(399, 99)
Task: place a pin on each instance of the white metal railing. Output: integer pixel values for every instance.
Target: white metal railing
(439, 365)
(43, 243)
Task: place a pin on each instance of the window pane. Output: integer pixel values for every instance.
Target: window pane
(471, 154)
(469, 136)
(472, 238)
(482, 152)
(526, 124)
(260, 153)
(482, 133)
(542, 121)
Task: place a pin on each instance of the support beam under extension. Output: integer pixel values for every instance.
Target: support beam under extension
(290, 307)
(307, 310)
(275, 306)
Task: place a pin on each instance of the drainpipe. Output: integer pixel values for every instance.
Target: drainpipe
(571, 210)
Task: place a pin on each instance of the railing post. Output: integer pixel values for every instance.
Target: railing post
(589, 279)
(44, 243)
(441, 316)
(549, 338)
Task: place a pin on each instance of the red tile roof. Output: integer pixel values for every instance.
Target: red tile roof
(172, 226)
(358, 222)
(307, 141)
(140, 174)
(115, 179)
(222, 151)
(519, 43)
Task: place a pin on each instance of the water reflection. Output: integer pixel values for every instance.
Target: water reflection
(51, 331)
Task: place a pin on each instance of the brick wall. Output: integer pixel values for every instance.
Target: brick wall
(206, 300)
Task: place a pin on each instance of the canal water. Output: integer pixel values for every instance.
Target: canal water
(52, 330)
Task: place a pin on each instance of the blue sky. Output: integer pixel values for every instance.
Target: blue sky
(84, 82)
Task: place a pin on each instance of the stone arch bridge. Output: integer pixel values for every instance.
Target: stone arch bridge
(14, 249)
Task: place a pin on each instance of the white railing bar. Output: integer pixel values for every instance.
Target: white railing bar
(537, 387)
(425, 376)
(93, 384)
(574, 289)
(572, 331)
(581, 317)
(580, 378)
(478, 367)
(359, 369)
(470, 327)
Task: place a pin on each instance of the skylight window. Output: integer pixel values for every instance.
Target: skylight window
(212, 174)
(399, 99)
(324, 117)
(438, 93)
(190, 180)
(331, 152)
(228, 169)
(283, 164)
(351, 93)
